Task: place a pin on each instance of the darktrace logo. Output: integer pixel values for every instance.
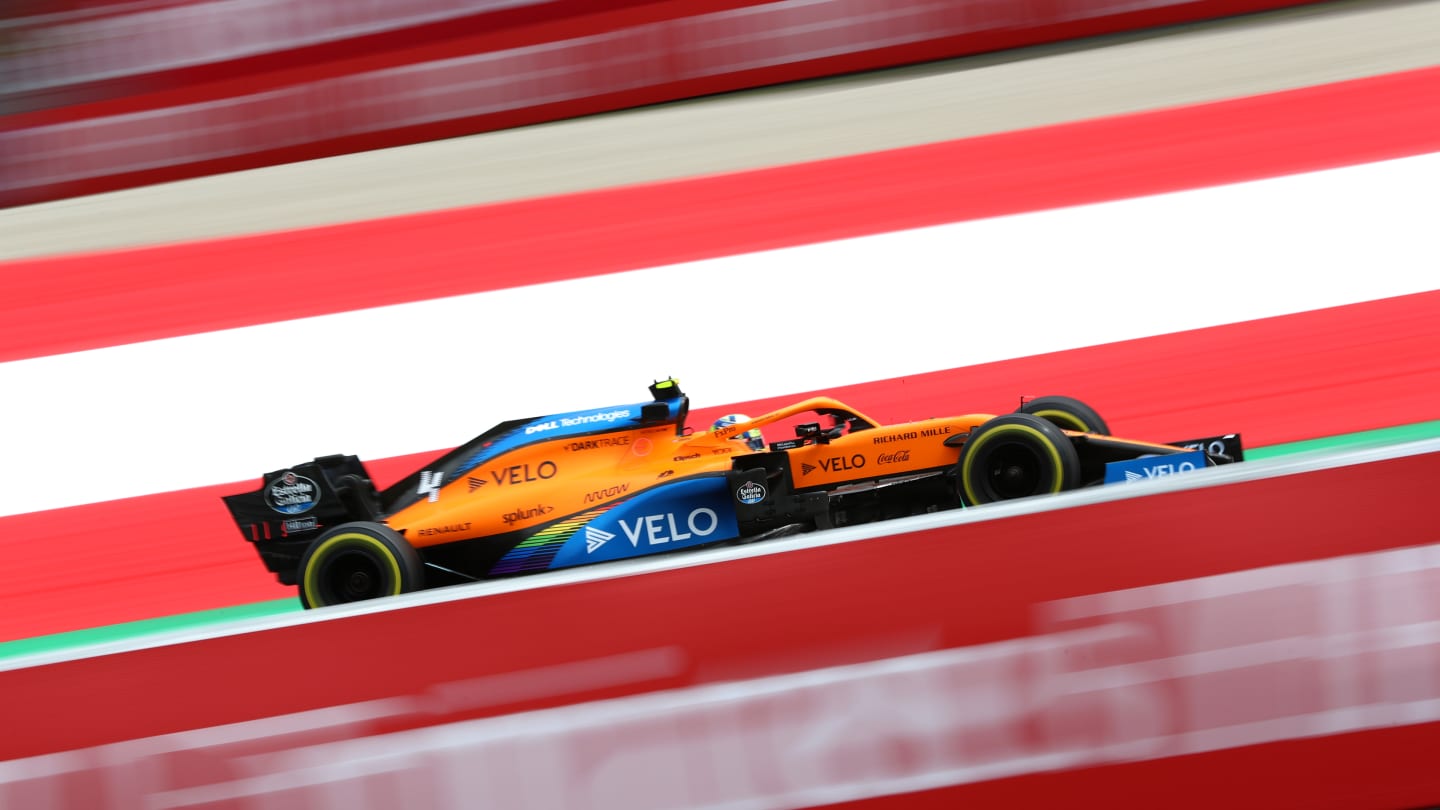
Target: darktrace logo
(292, 494)
(598, 443)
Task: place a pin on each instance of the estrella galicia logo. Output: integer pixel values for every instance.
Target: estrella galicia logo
(292, 494)
(750, 492)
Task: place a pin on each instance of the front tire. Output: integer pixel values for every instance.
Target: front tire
(358, 561)
(1066, 413)
(1016, 456)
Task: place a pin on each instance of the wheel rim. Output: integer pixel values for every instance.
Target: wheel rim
(350, 577)
(1014, 470)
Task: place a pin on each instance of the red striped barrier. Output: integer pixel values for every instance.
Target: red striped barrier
(575, 65)
(1257, 380)
(942, 597)
(126, 296)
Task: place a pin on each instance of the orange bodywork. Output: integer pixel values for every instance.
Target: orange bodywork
(884, 451)
(871, 452)
(542, 481)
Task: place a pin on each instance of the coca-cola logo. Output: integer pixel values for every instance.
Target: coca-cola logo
(897, 457)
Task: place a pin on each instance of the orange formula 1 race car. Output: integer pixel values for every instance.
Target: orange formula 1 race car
(631, 480)
(843, 468)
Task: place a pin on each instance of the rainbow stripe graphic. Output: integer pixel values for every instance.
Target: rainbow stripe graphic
(537, 551)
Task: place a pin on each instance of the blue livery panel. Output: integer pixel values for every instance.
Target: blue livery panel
(686, 513)
(1140, 469)
(559, 426)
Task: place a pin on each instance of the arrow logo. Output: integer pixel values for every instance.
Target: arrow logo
(595, 538)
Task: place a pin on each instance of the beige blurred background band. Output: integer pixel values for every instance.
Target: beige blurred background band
(818, 119)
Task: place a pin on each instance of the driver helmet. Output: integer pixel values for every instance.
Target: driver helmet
(752, 437)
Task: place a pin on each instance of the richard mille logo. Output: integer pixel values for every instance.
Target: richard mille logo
(595, 538)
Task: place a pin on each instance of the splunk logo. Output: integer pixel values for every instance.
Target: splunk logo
(658, 530)
(526, 513)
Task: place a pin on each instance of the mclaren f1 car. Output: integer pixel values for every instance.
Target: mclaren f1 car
(625, 481)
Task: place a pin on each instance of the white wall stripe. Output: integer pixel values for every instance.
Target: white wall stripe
(229, 405)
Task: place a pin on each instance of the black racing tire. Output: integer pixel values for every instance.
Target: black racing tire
(1015, 456)
(356, 561)
(1067, 413)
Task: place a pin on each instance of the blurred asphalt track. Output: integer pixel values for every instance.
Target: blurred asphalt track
(812, 120)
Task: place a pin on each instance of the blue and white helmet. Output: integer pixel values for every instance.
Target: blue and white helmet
(752, 437)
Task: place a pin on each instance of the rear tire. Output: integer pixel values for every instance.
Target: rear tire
(1067, 414)
(357, 561)
(1016, 456)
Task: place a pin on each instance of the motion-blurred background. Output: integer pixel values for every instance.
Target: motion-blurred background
(235, 234)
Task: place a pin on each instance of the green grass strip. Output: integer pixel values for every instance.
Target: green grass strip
(146, 627)
(1350, 441)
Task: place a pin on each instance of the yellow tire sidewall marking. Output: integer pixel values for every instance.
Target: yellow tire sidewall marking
(1001, 430)
(1066, 417)
(364, 540)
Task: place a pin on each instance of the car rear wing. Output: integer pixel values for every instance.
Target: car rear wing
(295, 504)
